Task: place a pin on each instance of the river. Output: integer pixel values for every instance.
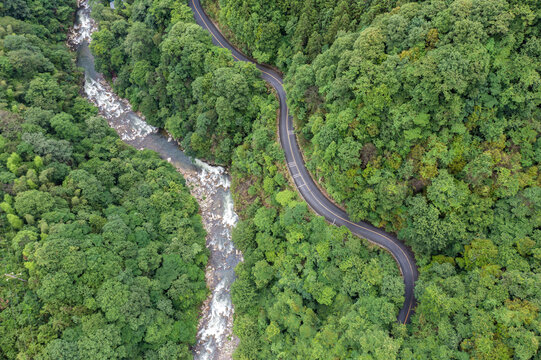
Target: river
(210, 185)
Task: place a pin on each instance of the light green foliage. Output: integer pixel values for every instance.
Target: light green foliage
(284, 197)
(13, 162)
(6, 207)
(15, 222)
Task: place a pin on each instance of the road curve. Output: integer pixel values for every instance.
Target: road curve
(304, 182)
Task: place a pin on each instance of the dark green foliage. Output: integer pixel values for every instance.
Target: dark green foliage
(273, 31)
(44, 18)
(102, 250)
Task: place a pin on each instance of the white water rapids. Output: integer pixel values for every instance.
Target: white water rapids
(210, 185)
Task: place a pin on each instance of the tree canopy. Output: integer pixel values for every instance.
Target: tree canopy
(102, 249)
(421, 117)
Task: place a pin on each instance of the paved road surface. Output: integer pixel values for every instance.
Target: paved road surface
(304, 182)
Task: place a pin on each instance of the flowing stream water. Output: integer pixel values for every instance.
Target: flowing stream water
(210, 185)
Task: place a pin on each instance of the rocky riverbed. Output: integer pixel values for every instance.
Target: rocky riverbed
(210, 185)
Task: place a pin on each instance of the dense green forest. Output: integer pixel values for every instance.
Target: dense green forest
(421, 117)
(424, 118)
(307, 289)
(168, 68)
(102, 250)
(435, 122)
(274, 31)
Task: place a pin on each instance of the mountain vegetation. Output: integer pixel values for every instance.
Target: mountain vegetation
(274, 31)
(300, 276)
(430, 127)
(168, 68)
(306, 289)
(102, 250)
(422, 117)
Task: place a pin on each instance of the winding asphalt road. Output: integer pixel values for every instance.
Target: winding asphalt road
(304, 182)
